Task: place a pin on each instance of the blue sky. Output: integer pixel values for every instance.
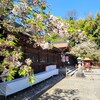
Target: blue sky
(61, 7)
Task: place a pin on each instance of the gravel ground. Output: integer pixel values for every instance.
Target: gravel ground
(33, 92)
(72, 88)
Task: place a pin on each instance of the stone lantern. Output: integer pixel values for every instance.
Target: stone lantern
(79, 60)
(79, 72)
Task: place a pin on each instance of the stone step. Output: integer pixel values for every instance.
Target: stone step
(69, 71)
(72, 73)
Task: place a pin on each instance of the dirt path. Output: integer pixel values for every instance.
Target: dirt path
(72, 88)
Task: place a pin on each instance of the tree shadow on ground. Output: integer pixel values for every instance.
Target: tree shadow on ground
(61, 94)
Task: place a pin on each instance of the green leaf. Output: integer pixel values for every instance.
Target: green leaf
(10, 77)
(35, 14)
(22, 72)
(43, 7)
(31, 79)
(30, 8)
(11, 43)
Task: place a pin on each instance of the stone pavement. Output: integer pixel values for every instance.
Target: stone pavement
(72, 88)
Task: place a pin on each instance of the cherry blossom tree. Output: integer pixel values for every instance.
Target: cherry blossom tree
(86, 49)
(30, 16)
